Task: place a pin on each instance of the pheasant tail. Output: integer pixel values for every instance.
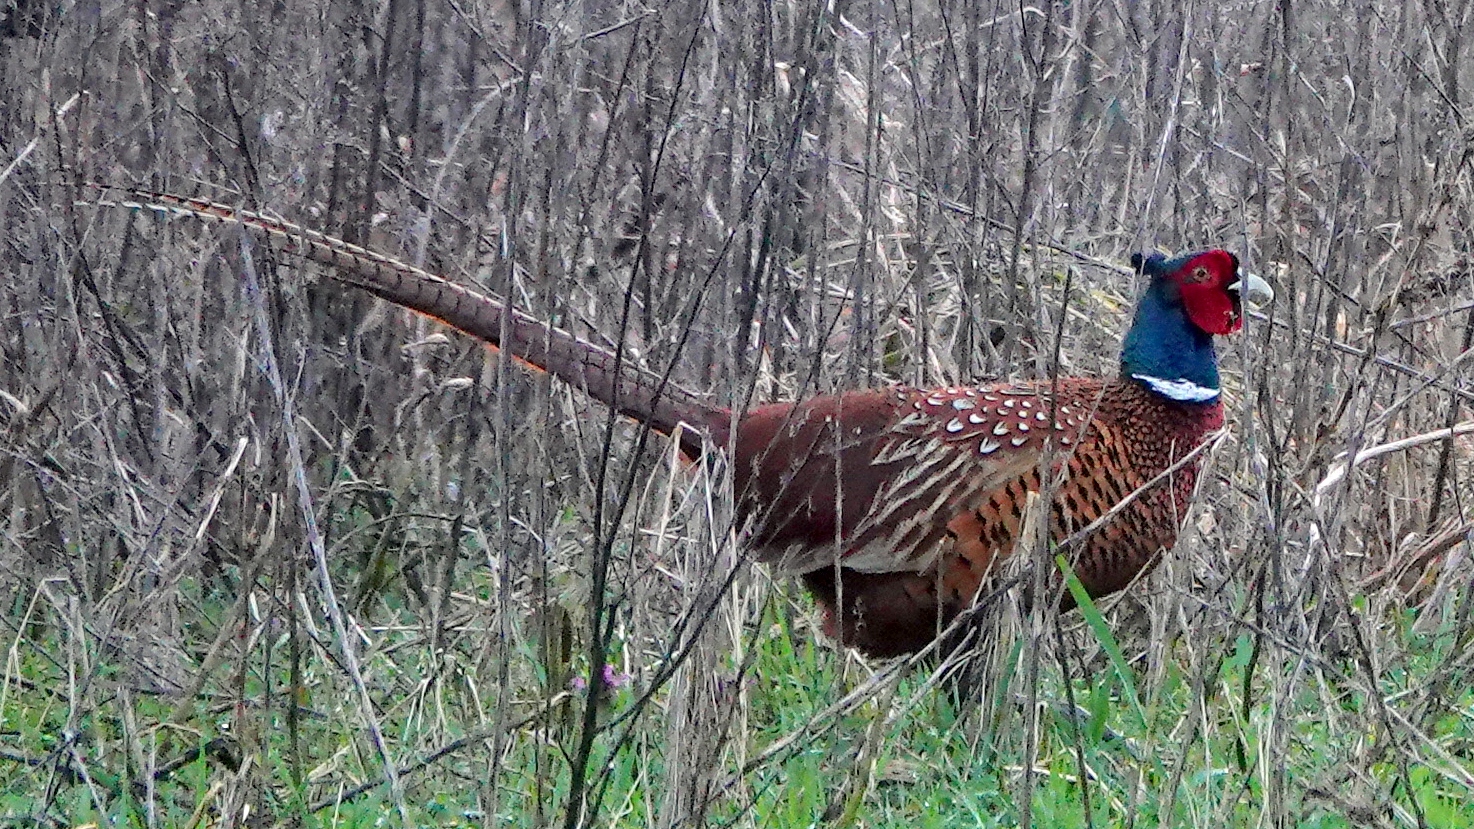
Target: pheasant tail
(633, 391)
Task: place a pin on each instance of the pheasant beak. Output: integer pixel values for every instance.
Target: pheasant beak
(1254, 289)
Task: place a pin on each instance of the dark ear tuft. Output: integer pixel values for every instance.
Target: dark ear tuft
(1148, 265)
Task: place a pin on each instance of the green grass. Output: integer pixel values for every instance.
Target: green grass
(1177, 746)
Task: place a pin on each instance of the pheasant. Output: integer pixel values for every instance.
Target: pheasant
(894, 505)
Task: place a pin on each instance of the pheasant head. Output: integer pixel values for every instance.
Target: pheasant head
(1188, 301)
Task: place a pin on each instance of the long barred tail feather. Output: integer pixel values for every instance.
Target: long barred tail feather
(635, 392)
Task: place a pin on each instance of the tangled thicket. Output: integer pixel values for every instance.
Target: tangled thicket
(825, 195)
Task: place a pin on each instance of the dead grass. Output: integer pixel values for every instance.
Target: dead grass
(276, 554)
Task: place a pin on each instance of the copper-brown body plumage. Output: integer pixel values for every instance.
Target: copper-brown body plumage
(894, 505)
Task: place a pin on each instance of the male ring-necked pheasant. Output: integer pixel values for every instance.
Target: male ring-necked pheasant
(893, 504)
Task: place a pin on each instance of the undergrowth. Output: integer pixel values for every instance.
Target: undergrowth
(1168, 744)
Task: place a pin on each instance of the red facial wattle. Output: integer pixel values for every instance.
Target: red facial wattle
(1204, 283)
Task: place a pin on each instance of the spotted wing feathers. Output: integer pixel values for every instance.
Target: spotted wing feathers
(902, 468)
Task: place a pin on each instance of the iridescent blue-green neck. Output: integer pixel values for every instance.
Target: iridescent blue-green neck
(1168, 353)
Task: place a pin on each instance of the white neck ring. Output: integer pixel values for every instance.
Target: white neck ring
(1184, 390)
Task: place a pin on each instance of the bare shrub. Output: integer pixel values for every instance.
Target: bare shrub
(823, 196)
